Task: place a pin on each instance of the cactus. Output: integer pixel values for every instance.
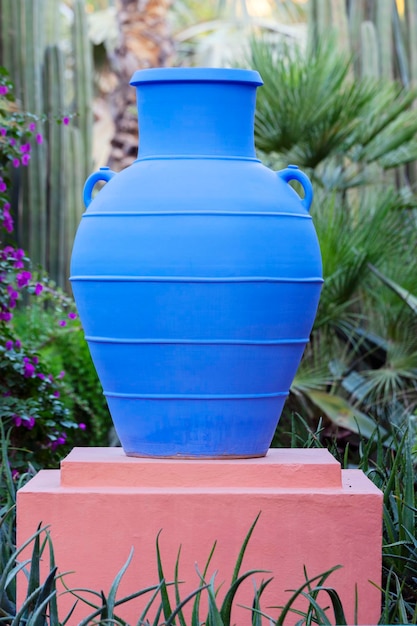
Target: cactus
(48, 211)
(393, 34)
(369, 49)
(83, 69)
(384, 24)
(381, 38)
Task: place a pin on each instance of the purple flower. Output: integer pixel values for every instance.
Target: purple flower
(35, 360)
(8, 223)
(29, 370)
(56, 394)
(82, 426)
(29, 423)
(41, 376)
(39, 138)
(12, 293)
(59, 441)
(25, 159)
(17, 420)
(65, 120)
(15, 162)
(8, 252)
(5, 316)
(12, 141)
(3, 90)
(62, 322)
(72, 316)
(15, 474)
(3, 186)
(9, 345)
(25, 147)
(23, 278)
(17, 344)
(3, 132)
(32, 126)
(38, 289)
(61, 374)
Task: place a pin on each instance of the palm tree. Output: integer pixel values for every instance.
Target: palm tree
(351, 137)
(144, 41)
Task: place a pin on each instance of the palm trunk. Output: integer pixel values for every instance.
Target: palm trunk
(145, 41)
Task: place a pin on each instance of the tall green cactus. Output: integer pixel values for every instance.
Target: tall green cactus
(381, 40)
(49, 206)
(375, 27)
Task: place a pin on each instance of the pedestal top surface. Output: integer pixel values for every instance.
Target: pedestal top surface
(281, 467)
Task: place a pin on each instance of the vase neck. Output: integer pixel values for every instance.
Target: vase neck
(196, 111)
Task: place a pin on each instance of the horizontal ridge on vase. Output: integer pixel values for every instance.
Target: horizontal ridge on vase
(196, 273)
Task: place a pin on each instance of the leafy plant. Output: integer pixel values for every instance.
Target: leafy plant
(360, 367)
(32, 411)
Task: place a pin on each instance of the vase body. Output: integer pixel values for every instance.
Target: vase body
(196, 273)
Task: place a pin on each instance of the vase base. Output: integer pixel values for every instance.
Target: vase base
(194, 457)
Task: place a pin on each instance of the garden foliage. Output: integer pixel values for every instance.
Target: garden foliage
(39, 410)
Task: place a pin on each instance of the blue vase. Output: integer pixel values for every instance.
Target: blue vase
(197, 273)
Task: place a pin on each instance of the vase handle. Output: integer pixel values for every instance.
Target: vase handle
(293, 173)
(104, 173)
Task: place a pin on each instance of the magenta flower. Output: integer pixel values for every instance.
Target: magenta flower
(3, 186)
(7, 218)
(72, 316)
(18, 253)
(3, 90)
(59, 441)
(29, 370)
(3, 132)
(32, 126)
(65, 121)
(38, 289)
(5, 316)
(25, 159)
(23, 278)
(25, 147)
(17, 420)
(30, 423)
(39, 138)
(15, 162)
(12, 293)
(62, 322)
(61, 374)
(17, 344)
(9, 345)
(12, 141)
(41, 376)
(82, 426)
(56, 394)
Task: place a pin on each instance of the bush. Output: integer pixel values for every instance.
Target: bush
(33, 412)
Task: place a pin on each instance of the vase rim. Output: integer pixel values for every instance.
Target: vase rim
(196, 74)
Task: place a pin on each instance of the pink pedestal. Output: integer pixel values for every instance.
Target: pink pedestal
(313, 514)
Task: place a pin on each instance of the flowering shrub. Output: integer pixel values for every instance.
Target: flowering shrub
(32, 410)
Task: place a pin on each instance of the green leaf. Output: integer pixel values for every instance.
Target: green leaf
(226, 607)
(405, 295)
(344, 415)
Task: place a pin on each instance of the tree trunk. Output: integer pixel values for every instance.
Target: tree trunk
(145, 42)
